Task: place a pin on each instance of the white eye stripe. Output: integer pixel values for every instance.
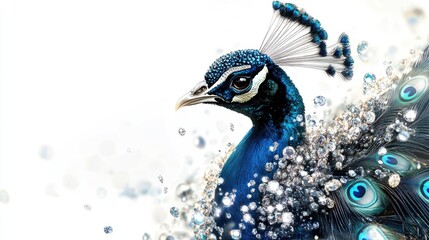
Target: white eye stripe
(226, 74)
(257, 81)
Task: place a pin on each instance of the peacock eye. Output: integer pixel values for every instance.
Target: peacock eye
(240, 83)
(396, 162)
(424, 188)
(365, 197)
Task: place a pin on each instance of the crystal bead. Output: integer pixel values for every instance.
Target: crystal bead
(198, 218)
(362, 48)
(269, 167)
(108, 229)
(370, 117)
(410, 115)
(235, 234)
(332, 185)
(403, 136)
(289, 152)
(394, 180)
(273, 186)
(287, 218)
(319, 101)
(369, 77)
(227, 201)
(174, 211)
(182, 132)
(382, 151)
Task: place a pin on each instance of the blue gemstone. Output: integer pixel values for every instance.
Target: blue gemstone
(369, 77)
(362, 48)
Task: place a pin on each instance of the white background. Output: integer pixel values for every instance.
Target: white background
(87, 96)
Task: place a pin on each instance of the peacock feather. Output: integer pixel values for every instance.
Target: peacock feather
(363, 176)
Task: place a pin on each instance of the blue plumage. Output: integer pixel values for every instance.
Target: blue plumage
(365, 176)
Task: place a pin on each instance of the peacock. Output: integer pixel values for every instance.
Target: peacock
(363, 176)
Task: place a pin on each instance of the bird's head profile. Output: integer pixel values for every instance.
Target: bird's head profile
(252, 81)
(245, 81)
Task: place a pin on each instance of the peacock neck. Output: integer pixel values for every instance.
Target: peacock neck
(246, 166)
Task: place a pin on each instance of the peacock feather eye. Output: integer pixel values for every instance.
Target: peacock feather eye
(362, 193)
(372, 232)
(396, 162)
(365, 197)
(424, 189)
(413, 89)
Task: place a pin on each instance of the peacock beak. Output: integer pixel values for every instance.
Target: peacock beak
(197, 95)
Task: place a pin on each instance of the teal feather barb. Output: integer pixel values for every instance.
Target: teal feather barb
(363, 176)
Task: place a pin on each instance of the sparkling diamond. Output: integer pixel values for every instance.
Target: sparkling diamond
(198, 218)
(108, 229)
(287, 218)
(289, 152)
(362, 48)
(394, 180)
(403, 136)
(235, 234)
(269, 167)
(352, 173)
(273, 186)
(161, 179)
(174, 211)
(319, 101)
(182, 132)
(247, 217)
(370, 117)
(410, 115)
(369, 77)
(382, 151)
(227, 201)
(231, 127)
(332, 185)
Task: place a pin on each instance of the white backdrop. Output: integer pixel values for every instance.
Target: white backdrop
(87, 96)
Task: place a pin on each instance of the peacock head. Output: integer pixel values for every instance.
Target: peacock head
(245, 81)
(251, 82)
